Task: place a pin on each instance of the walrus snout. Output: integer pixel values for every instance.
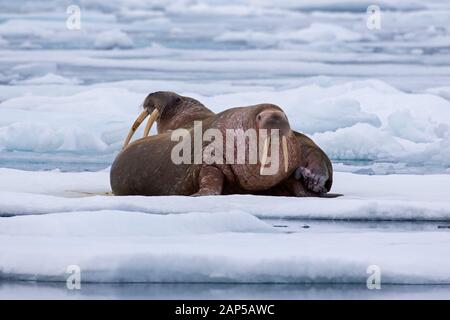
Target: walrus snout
(273, 119)
(270, 120)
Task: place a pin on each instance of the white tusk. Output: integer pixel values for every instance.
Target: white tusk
(150, 122)
(285, 154)
(264, 155)
(134, 127)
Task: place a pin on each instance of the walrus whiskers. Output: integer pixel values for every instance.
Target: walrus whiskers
(150, 122)
(285, 154)
(264, 155)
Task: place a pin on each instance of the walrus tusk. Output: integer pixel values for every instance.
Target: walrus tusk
(134, 127)
(150, 122)
(285, 154)
(264, 155)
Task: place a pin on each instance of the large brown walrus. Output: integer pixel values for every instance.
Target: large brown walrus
(147, 167)
(314, 169)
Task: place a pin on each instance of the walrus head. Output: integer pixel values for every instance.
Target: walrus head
(273, 119)
(170, 110)
(163, 101)
(267, 119)
(175, 111)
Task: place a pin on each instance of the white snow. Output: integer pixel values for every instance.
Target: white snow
(390, 197)
(316, 32)
(113, 223)
(441, 91)
(50, 78)
(3, 42)
(362, 120)
(376, 98)
(230, 257)
(59, 221)
(348, 87)
(322, 32)
(113, 39)
(39, 137)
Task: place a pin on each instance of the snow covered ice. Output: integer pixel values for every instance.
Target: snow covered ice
(377, 197)
(361, 94)
(377, 101)
(57, 216)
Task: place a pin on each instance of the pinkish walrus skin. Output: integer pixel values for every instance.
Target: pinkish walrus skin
(145, 167)
(313, 175)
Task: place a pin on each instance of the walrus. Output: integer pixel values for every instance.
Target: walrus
(314, 169)
(147, 167)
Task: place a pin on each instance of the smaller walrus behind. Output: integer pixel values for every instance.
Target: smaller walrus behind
(147, 166)
(314, 169)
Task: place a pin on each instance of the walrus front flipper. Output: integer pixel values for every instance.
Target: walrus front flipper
(210, 182)
(329, 195)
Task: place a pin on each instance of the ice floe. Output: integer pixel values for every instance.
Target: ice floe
(58, 221)
(388, 197)
(377, 101)
(363, 120)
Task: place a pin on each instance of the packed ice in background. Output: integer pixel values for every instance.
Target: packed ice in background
(367, 96)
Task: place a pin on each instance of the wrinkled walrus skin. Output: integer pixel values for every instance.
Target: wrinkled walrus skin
(314, 169)
(145, 167)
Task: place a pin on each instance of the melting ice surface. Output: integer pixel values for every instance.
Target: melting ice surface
(58, 219)
(377, 101)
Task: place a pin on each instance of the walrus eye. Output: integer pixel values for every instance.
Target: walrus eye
(259, 117)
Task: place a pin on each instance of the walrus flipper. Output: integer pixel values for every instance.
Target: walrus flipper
(315, 168)
(210, 182)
